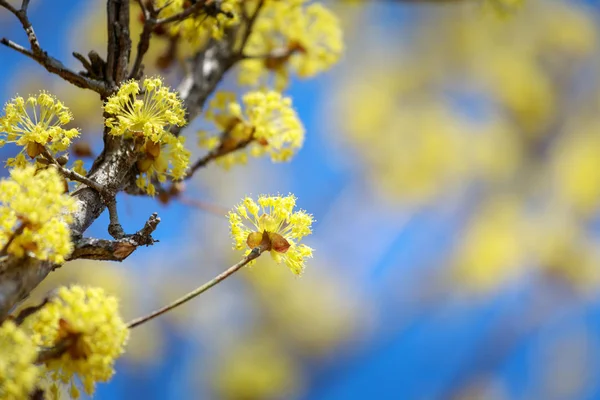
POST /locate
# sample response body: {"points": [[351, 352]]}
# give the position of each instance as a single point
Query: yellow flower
{"points": [[147, 121], [35, 200], [148, 117], [265, 121], [89, 322], [36, 122], [274, 216], [197, 29], [304, 38], [159, 161], [18, 372]]}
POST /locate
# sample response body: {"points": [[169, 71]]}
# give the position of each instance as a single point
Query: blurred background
{"points": [[452, 163]]}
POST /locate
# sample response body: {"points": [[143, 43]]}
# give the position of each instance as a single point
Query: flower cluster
{"points": [[18, 372], [36, 122], [265, 122], [291, 35], [86, 320], [274, 220], [172, 158], [210, 22], [35, 213], [146, 117]]}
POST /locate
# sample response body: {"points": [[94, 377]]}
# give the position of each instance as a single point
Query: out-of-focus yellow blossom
{"points": [[306, 39], [522, 87], [284, 227], [18, 372], [577, 166], [157, 161], [147, 121], [35, 200], [563, 251], [256, 369], [315, 315], [36, 122], [495, 246], [265, 121], [197, 29], [148, 117], [88, 321], [78, 167], [504, 8]]}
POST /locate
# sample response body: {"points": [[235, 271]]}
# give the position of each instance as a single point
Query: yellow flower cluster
{"points": [[291, 35], [148, 117], [284, 228], [36, 202], [207, 23], [87, 321], [147, 120], [18, 372], [265, 121], [171, 159], [36, 122]]}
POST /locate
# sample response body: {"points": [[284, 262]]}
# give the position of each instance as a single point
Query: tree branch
{"points": [[41, 57], [119, 42], [215, 154], [254, 254], [115, 250]]}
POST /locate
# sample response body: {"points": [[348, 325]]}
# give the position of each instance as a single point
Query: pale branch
{"points": [[42, 57], [115, 250], [254, 254], [207, 68]]}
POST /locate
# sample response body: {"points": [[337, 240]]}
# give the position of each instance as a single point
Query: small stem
{"points": [[12, 237], [254, 254], [72, 175], [114, 226], [213, 155]]}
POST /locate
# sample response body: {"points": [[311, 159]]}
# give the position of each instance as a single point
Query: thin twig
{"points": [[144, 41], [180, 16], [215, 154], [114, 226], [13, 236], [249, 23], [38, 54], [254, 254], [72, 175], [208, 207], [56, 67]]}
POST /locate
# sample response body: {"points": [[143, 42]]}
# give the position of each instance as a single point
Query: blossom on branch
{"points": [[87, 322], [36, 122], [146, 117], [18, 372], [306, 39], [273, 220], [211, 21], [35, 213], [264, 121]]}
